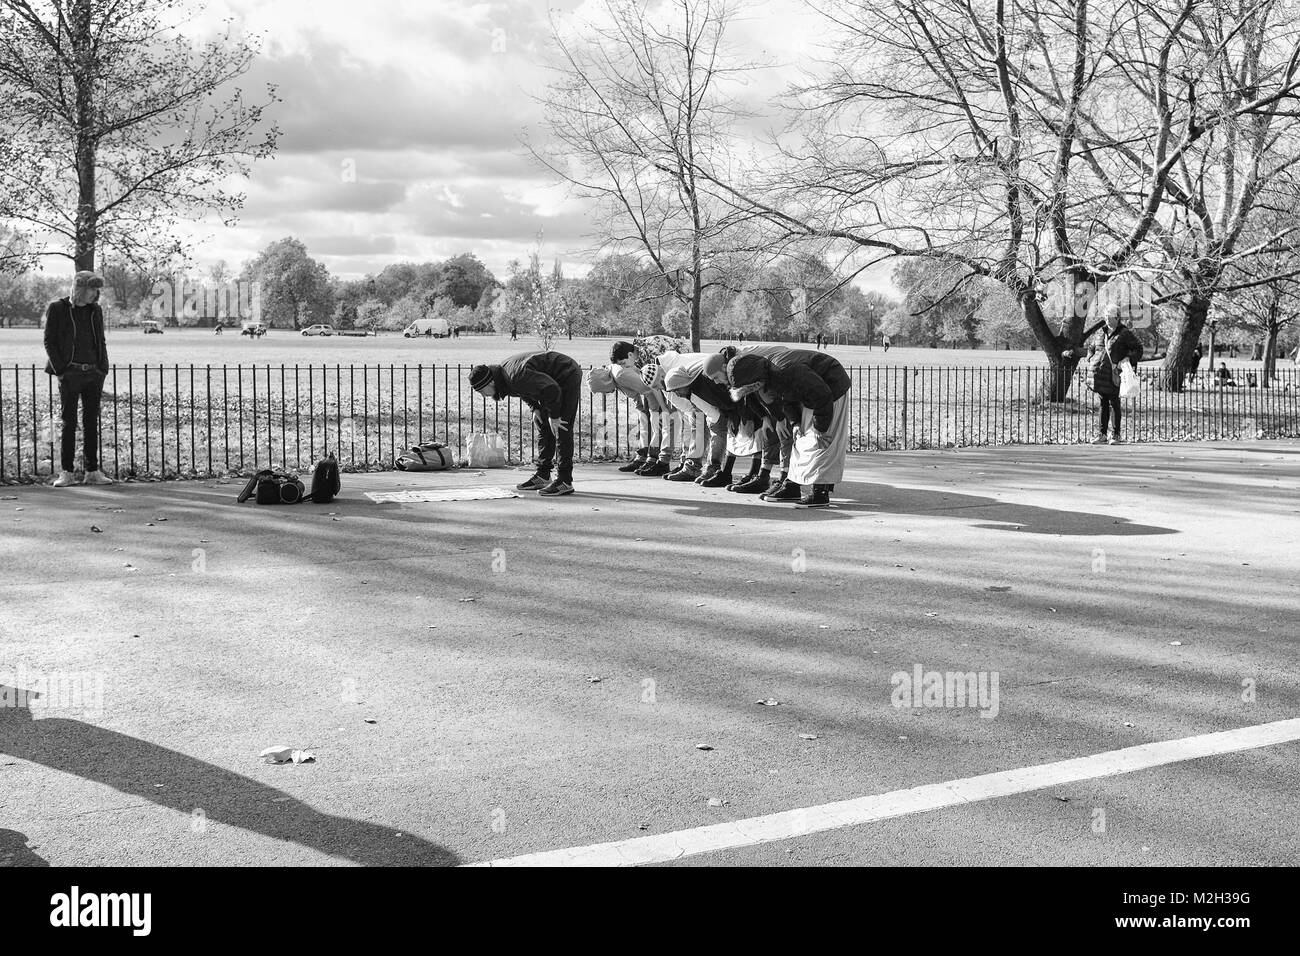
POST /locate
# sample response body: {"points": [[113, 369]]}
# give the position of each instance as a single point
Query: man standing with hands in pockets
{"points": [[549, 383], [78, 357]]}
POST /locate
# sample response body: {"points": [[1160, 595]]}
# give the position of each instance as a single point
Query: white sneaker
{"points": [[65, 478], [97, 478]]}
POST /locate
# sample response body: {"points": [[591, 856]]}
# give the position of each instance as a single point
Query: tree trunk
{"points": [[84, 79], [1270, 348], [1060, 370], [1178, 359]]}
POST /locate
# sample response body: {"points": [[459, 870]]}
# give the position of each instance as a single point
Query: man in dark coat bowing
{"points": [[550, 384], [813, 389]]}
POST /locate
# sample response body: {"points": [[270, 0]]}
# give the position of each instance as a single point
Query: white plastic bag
{"points": [[487, 450], [1128, 381]]}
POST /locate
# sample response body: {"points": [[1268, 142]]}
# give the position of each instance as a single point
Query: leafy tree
{"points": [[295, 288], [118, 125], [462, 279]]}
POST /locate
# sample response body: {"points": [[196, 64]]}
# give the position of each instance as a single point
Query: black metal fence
{"points": [[181, 421]]}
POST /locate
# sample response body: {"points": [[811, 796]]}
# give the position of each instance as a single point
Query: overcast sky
{"points": [[401, 125]]}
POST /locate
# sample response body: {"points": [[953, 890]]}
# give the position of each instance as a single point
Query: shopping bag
{"points": [[1128, 385], [487, 450]]}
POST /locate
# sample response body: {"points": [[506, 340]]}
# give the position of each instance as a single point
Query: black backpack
{"points": [[325, 483]]}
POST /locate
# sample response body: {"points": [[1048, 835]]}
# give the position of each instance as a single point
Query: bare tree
{"points": [[639, 106], [980, 134], [118, 126]]}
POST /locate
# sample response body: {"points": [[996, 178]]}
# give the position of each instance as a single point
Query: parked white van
{"points": [[430, 327]]}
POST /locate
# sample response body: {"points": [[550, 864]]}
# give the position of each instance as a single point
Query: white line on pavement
{"points": [[848, 813]]}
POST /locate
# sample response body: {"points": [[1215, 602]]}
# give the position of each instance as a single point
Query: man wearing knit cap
{"points": [[770, 474], [813, 390], [78, 357], [550, 384]]}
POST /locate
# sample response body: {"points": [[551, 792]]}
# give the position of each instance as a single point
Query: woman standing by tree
{"points": [[1118, 345]]}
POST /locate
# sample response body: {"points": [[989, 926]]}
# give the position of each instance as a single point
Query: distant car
{"points": [[253, 329], [318, 330], [149, 328]]}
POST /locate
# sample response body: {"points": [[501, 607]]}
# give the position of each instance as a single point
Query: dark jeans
{"points": [[1109, 403], [547, 441], [87, 387]]}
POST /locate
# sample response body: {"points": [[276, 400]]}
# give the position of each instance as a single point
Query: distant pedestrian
{"points": [[217, 330], [1105, 363], [741, 339], [1224, 377], [819, 341], [549, 383], [886, 343], [77, 356]]}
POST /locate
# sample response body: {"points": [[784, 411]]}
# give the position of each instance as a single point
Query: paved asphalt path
{"points": [[439, 659]]}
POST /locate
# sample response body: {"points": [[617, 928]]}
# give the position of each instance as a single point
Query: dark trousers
{"points": [[1109, 403], [547, 441], [85, 387]]}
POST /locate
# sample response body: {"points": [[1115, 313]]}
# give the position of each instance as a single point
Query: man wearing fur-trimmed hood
{"points": [[813, 389]]}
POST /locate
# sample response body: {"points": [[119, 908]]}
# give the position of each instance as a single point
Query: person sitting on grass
{"points": [[550, 384], [1224, 377]]}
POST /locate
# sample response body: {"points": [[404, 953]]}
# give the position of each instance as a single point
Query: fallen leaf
{"points": [[715, 802], [277, 754], [467, 600], [1064, 799], [931, 613], [370, 720], [807, 736], [824, 627], [768, 702], [703, 747], [593, 680], [303, 756], [1127, 724], [97, 529], [1175, 643]]}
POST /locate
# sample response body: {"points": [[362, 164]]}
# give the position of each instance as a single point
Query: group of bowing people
{"points": [[786, 409]]}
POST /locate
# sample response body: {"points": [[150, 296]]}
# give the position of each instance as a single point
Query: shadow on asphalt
{"points": [[14, 850], [856, 498], [137, 767]]}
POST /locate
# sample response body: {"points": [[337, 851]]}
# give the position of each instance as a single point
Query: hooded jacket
{"points": [[61, 336], [799, 377], [547, 382]]}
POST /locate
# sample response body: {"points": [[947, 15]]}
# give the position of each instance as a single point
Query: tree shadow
{"points": [[866, 498], [134, 766], [14, 850]]}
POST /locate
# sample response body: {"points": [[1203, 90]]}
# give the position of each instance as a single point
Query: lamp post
{"points": [[871, 315]]}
